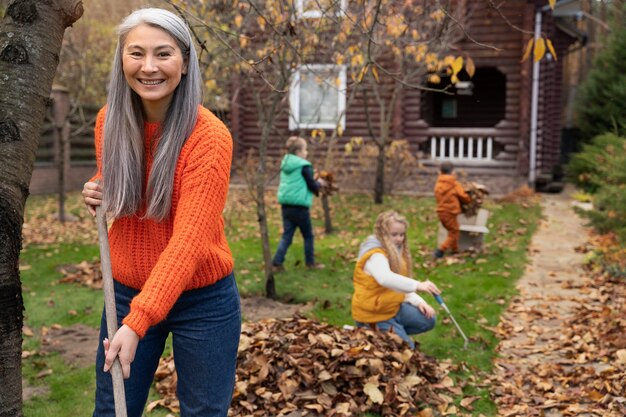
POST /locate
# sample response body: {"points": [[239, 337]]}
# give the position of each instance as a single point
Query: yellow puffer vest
{"points": [[371, 302]]}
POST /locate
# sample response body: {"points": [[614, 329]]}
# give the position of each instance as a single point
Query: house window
{"points": [[479, 101], [315, 9], [448, 108], [317, 97]]}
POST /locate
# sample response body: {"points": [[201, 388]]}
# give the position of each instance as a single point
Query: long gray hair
{"points": [[123, 145]]}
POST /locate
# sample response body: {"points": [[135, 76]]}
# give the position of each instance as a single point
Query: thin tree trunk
{"points": [[381, 143], [379, 186], [328, 163], [31, 34], [270, 286], [328, 221], [267, 114]]}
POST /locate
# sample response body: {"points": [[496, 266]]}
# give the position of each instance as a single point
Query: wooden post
{"points": [[60, 110]]}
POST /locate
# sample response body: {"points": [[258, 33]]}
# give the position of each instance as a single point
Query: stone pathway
{"points": [[551, 290]]}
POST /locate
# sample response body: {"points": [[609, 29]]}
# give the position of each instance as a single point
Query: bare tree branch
{"points": [[506, 20], [468, 36], [253, 65]]}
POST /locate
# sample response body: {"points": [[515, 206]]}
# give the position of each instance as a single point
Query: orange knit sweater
{"points": [[189, 249]]}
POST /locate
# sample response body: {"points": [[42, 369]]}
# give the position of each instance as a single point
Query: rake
{"points": [[109, 306], [445, 307]]}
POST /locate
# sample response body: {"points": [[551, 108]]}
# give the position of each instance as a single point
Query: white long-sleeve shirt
{"points": [[378, 267]]}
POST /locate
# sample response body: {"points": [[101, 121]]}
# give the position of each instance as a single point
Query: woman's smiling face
{"points": [[153, 66]]}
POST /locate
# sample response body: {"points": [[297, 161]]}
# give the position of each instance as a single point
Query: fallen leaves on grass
{"points": [[166, 379], [85, 273], [43, 227], [521, 195], [612, 254], [579, 369], [317, 369], [44, 373]]}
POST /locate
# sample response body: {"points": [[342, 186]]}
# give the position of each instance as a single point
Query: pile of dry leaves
{"points": [[477, 192], [302, 367]]}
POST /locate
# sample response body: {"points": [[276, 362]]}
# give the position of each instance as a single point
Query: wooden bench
{"points": [[473, 230]]}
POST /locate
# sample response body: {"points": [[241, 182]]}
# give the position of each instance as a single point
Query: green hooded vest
{"points": [[293, 189]]}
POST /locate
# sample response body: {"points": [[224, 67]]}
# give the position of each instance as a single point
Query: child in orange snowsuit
{"points": [[449, 195]]}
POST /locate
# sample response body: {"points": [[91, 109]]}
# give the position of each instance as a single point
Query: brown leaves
{"points": [[84, 273], [477, 192], [577, 367], [42, 226], [330, 183], [521, 195], [317, 369], [166, 379], [311, 366]]}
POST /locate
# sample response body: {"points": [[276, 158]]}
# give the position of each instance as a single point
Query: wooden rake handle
{"points": [[110, 310]]}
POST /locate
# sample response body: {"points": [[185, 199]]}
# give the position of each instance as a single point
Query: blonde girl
{"points": [[385, 294]]}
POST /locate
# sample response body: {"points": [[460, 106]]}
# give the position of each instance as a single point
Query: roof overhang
{"points": [[566, 13], [568, 8]]}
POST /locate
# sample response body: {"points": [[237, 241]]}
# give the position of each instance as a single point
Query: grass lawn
{"points": [[476, 288]]}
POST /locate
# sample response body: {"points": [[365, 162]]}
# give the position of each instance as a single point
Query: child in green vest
{"points": [[295, 194]]}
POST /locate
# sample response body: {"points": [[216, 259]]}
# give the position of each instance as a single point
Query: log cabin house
{"points": [[500, 128], [497, 128]]}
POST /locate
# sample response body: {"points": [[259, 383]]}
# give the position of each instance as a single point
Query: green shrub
{"points": [[587, 169], [601, 102], [600, 168], [609, 213]]}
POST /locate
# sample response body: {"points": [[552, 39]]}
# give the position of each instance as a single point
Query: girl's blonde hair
{"points": [[398, 259], [294, 144]]}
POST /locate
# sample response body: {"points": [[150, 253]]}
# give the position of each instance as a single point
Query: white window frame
{"points": [[317, 14], [294, 98]]}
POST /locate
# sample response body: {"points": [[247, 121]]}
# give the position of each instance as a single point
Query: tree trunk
{"points": [[270, 287], [60, 110], [267, 113], [31, 34], [379, 185], [328, 221], [267, 108]]}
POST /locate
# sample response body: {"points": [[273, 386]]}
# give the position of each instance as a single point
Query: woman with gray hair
{"points": [[163, 172]]}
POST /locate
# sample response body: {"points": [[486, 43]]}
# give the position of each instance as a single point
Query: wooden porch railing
{"points": [[466, 148]]}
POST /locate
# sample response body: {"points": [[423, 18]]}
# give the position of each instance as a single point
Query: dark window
{"points": [[476, 102]]}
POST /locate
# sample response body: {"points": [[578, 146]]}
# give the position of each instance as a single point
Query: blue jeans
{"points": [[409, 320], [295, 217], [205, 324]]}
